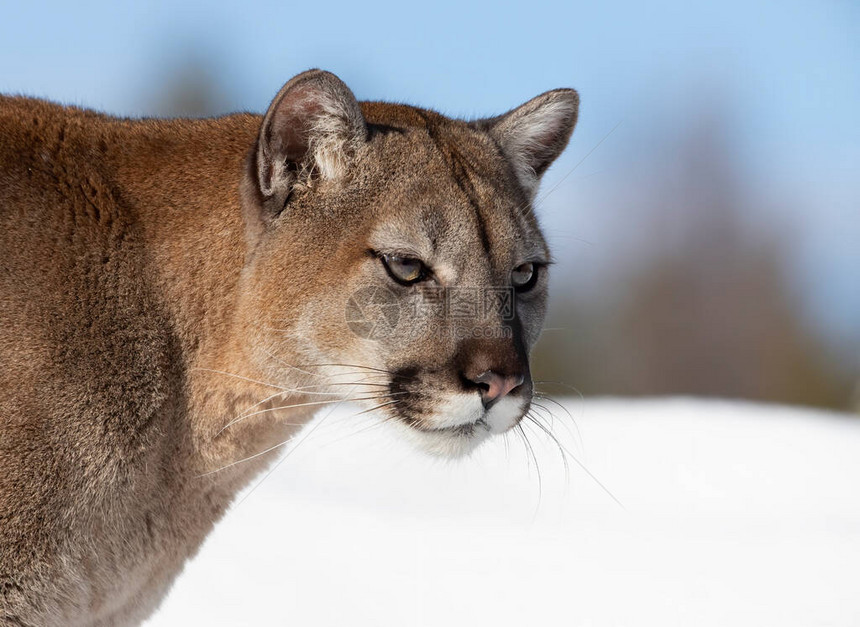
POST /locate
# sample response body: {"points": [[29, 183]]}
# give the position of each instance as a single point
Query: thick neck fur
{"points": [[158, 202], [195, 247]]}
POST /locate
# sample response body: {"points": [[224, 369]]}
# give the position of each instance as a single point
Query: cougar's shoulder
{"points": [[96, 340]]}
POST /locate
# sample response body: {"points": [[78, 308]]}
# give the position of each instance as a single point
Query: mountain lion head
{"points": [[395, 255]]}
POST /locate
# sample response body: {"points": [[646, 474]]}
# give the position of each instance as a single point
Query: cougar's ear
{"points": [[534, 134], [311, 129]]}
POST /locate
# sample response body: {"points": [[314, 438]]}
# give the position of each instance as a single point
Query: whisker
{"points": [[534, 420], [269, 450], [285, 391], [376, 422], [546, 397], [394, 402], [562, 384], [285, 364], [247, 459], [574, 435], [531, 452], [308, 404], [381, 370], [589, 473], [242, 377], [257, 404], [281, 461]]}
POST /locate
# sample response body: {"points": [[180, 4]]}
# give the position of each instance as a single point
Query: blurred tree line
{"points": [[705, 306]]}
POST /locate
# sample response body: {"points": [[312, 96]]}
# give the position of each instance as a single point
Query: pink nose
{"points": [[495, 386]]}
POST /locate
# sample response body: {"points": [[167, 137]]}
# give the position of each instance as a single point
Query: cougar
{"points": [[179, 297]]}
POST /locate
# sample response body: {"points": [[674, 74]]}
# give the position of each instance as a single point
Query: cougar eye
{"points": [[404, 270], [524, 277]]}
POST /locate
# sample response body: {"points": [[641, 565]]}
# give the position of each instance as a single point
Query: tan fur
{"points": [[161, 280]]}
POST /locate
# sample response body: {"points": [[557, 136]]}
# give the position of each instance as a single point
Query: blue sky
{"points": [[785, 73]]}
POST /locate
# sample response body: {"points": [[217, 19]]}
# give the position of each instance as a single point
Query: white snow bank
{"points": [[734, 514]]}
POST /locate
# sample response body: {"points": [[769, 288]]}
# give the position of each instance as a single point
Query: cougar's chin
{"points": [[460, 424]]}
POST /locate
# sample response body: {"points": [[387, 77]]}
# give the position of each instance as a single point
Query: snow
{"points": [[733, 514]]}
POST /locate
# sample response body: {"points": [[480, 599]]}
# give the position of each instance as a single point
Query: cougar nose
{"points": [[494, 386]]}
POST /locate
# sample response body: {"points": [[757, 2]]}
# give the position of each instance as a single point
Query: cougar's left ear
{"points": [[534, 134], [311, 129]]}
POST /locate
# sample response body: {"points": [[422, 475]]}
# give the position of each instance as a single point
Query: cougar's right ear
{"points": [[310, 132], [534, 134]]}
